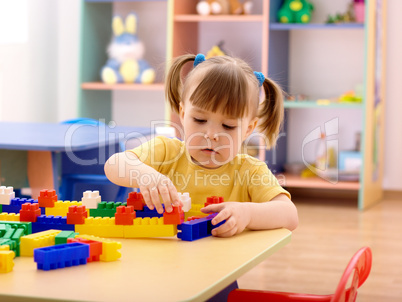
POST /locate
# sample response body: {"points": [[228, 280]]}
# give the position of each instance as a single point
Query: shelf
{"points": [[125, 1], [314, 104], [103, 86], [295, 181], [297, 26], [218, 18]]}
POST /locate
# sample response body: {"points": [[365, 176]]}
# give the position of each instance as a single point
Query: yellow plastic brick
{"points": [[61, 207], [36, 240], [100, 226], [5, 247], [149, 227], [6, 261], [9, 217], [109, 248]]}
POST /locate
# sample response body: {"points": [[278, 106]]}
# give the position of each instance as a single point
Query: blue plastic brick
{"points": [[146, 212], [197, 229], [61, 256], [16, 204], [44, 223]]}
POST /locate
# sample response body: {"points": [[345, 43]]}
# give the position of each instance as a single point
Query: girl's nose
{"points": [[212, 136]]}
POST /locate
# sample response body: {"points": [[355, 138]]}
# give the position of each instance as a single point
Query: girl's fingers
{"points": [[167, 192], [223, 215], [154, 192], [147, 197], [229, 233], [174, 196], [213, 208], [227, 229], [164, 191]]}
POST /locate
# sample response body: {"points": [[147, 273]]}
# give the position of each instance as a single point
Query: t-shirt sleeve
{"points": [[152, 153], [264, 186], [159, 153]]}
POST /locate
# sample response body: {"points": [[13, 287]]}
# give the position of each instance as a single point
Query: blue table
{"points": [[44, 141]]}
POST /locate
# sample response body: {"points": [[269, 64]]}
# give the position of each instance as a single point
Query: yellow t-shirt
{"points": [[243, 179]]}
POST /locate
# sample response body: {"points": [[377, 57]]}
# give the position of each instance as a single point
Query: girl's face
{"points": [[212, 138]]}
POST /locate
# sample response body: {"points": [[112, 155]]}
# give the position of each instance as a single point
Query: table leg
{"points": [[40, 171]]}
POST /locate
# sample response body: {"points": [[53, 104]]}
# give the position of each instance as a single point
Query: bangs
{"points": [[223, 88]]}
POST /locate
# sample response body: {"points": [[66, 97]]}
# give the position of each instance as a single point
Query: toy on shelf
{"points": [[351, 97], [223, 7], [359, 10], [216, 50], [126, 52], [347, 17], [295, 11]]}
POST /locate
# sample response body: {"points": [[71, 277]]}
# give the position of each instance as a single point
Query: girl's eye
{"points": [[227, 127], [200, 121]]}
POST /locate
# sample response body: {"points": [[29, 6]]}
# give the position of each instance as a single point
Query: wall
{"points": [[29, 76], [393, 110], [68, 12], [39, 80]]}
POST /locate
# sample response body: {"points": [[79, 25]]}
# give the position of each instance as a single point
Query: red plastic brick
{"points": [[95, 247], [136, 200], [47, 198], [76, 215], [194, 218], [174, 217], [213, 200], [29, 212], [124, 215]]}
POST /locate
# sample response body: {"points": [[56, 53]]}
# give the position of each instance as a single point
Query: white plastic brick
{"points": [[186, 201], [91, 199], [6, 194]]}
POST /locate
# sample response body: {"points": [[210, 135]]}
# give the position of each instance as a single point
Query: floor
{"points": [[329, 233]]}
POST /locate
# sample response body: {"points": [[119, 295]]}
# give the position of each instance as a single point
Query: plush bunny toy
{"points": [[126, 51]]}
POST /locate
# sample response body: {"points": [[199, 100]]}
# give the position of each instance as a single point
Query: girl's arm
{"points": [[280, 212], [125, 169]]}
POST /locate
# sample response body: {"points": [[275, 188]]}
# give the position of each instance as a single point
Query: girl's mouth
{"points": [[208, 150]]}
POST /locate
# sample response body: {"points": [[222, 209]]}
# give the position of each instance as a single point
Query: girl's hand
{"points": [[236, 214], [163, 187]]}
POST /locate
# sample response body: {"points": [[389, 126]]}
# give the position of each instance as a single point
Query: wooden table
{"points": [[158, 269]]}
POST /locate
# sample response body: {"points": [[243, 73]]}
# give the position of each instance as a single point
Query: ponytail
{"points": [[174, 85], [271, 112]]}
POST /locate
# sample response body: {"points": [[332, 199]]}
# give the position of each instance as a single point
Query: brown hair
{"points": [[228, 85]]}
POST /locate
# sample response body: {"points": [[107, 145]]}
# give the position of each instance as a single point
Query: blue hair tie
{"points": [[199, 59], [260, 77]]}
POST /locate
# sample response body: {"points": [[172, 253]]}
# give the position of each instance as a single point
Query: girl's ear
{"points": [[181, 112], [251, 126]]}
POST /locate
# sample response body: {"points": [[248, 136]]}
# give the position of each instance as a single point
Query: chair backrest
{"points": [[89, 162], [83, 120], [96, 155], [354, 276]]}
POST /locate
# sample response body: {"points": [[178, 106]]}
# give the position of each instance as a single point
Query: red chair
{"points": [[353, 277]]}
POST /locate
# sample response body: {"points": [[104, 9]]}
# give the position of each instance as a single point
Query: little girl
{"points": [[219, 108]]}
